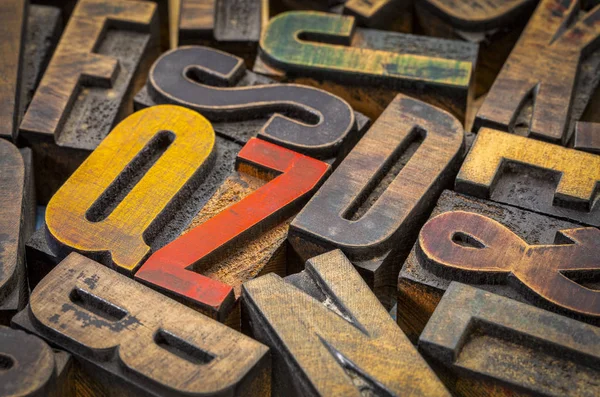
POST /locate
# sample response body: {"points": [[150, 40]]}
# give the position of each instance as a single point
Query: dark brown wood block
{"points": [[549, 77], [534, 175], [329, 336], [17, 220], [492, 345], [395, 15], [29, 367], [544, 250], [494, 25], [587, 137], [102, 57], [366, 67], [130, 340], [375, 201], [234, 26]]}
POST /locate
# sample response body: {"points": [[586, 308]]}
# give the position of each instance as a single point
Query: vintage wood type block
{"points": [[550, 75], [376, 200], [587, 137], [29, 367], [103, 55], [234, 26], [495, 25], [497, 346], [382, 14], [329, 336], [242, 104], [366, 67], [130, 340], [17, 220], [531, 174], [529, 257], [174, 268]]}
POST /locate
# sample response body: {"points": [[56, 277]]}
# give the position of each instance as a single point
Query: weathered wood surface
{"points": [[164, 348], [550, 75], [532, 174], [13, 23], [497, 346], [366, 67], [17, 219], [120, 196], [87, 86], [216, 84], [329, 336], [422, 281], [495, 25], [393, 15], [29, 367], [587, 137], [234, 26], [175, 268], [374, 203]]}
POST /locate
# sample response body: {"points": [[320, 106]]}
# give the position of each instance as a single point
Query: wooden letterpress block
{"points": [[17, 220], [234, 26], [102, 56], [587, 137], [241, 104], [29, 367], [492, 345], [374, 203], [550, 75], [393, 15], [516, 253], [366, 67], [329, 335], [130, 340], [495, 25], [532, 174]]}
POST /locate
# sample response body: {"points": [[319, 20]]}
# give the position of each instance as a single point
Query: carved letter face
{"points": [[124, 328], [544, 67], [330, 336], [570, 195], [465, 242], [122, 192]]}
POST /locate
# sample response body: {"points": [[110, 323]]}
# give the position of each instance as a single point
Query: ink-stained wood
{"points": [[161, 348], [393, 15], [29, 367], [234, 26], [329, 336], [374, 203], [174, 268], [495, 25], [587, 137], [422, 282], [216, 84], [16, 225], [532, 174], [120, 196], [103, 55], [491, 343], [366, 67], [550, 75]]}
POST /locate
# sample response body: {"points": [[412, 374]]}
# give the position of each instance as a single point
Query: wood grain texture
{"points": [[532, 174], [304, 119], [422, 283], [160, 347], [381, 14], [330, 336], [375, 201], [121, 194], [30, 368], [587, 137], [549, 76], [490, 342], [173, 269], [13, 23], [14, 228], [106, 48], [366, 67]]}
